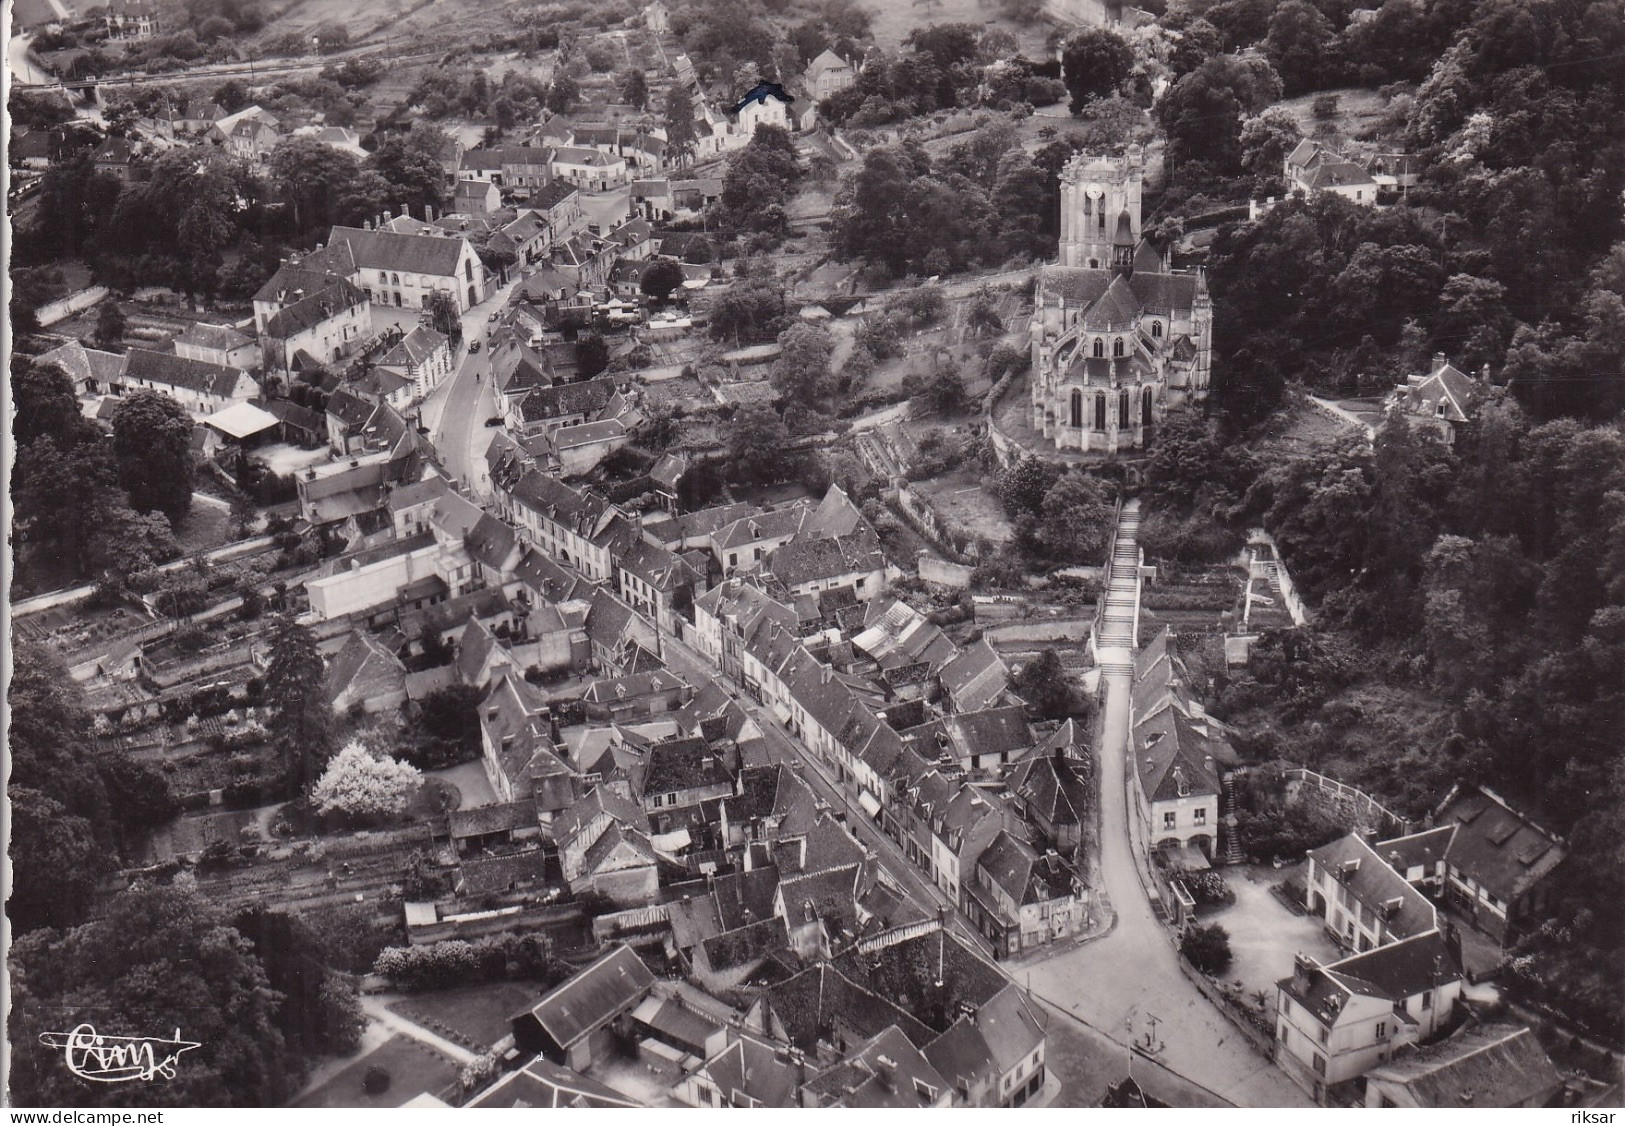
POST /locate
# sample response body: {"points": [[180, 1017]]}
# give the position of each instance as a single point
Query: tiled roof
{"points": [[219, 337], [683, 764], [333, 299], [168, 369], [1056, 789], [434, 255], [1355, 865], [417, 346], [885, 1072], [593, 997], [804, 561], [492, 819], [1418, 850], [543, 1084], [1399, 969], [1494, 1065], [1497, 846]]}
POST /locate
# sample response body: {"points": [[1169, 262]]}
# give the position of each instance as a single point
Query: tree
{"points": [[1094, 63], [159, 960], [1266, 140], [562, 94], [592, 354], [942, 392], [635, 89], [662, 278], [319, 1013], [313, 178], [301, 724], [757, 441], [359, 785], [411, 167], [452, 713], [44, 405], [444, 316], [152, 441], [1021, 487], [1202, 117], [679, 122], [110, 322], [55, 862], [1297, 46], [1077, 514], [1043, 683], [746, 312], [801, 373], [1207, 947]]}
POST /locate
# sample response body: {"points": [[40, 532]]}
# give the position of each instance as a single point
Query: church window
{"points": [[1088, 205], [1100, 347], [1122, 409], [1117, 346], [1100, 412], [1145, 408], [1101, 225], [1077, 409], [1156, 329]]}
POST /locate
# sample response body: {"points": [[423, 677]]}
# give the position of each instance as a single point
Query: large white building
{"points": [[1117, 337]]}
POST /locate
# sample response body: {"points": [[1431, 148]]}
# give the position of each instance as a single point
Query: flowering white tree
{"points": [[357, 783]]}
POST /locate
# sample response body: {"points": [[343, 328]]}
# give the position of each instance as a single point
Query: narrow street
{"points": [[697, 670], [1124, 981], [457, 410]]}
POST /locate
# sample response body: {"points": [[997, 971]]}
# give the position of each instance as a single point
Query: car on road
{"points": [[494, 420], [474, 346]]}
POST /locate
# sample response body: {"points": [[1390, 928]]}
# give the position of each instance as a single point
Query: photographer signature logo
{"points": [[118, 1059]]}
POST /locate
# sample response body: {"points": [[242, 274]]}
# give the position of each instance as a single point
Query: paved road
{"points": [[458, 409], [1120, 982]]}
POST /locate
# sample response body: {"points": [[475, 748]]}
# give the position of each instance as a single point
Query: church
{"points": [[1118, 337]]}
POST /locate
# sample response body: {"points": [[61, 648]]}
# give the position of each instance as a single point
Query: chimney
{"points": [[388, 215], [1438, 363], [1303, 967]]}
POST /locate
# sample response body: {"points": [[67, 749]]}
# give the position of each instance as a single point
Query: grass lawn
{"points": [[414, 1068], [206, 527], [479, 1013]]}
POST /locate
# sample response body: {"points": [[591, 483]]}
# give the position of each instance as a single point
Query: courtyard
{"points": [[413, 1068], [1264, 934]]}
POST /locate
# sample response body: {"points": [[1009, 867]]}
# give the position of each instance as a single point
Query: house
{"points": [[659, 584], [1480, 1066], [477, 198], [591, 170], [1499, 863], [526, 237], [672, 1019], [543, 1084], [92, 372], [132, 19], [517, 168], [216, 344], [200, 387], [115, 157], [807, 566], [1054, 788], [403, 269], [975, 678], [567, 404], [1364, 902], [1179, 756], [574, 451], [982, 740], [681, 773], [1443, 400], [249, 135], [571, 1025], [827, 74], [1022, 898], [1312, 168], [365, 674], [884, 1073], [604, 849], [744, 544], [749, 1073], [626, 699], [516, 748], [766, 105], [423, 358], [328, 323], [1337, 1022], [559, 204]]}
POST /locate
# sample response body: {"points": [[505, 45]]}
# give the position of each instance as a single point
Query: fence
{"points": [[1234, 1009], [1368, 812], [1061, 629]]}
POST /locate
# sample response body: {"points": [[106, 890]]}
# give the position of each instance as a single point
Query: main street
{"points": [[1124, 981]]}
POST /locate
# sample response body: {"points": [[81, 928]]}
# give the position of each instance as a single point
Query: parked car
{"points": [[494, 420], [473, 347]]}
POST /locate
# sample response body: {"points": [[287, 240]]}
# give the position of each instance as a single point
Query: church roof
{"points": [[1117, 308], [1149, 291]]}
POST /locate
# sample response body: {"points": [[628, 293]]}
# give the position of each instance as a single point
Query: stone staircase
{"points": [[1117, 624]]}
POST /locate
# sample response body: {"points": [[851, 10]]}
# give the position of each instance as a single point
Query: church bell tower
{"points": [[1096, 194]]}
